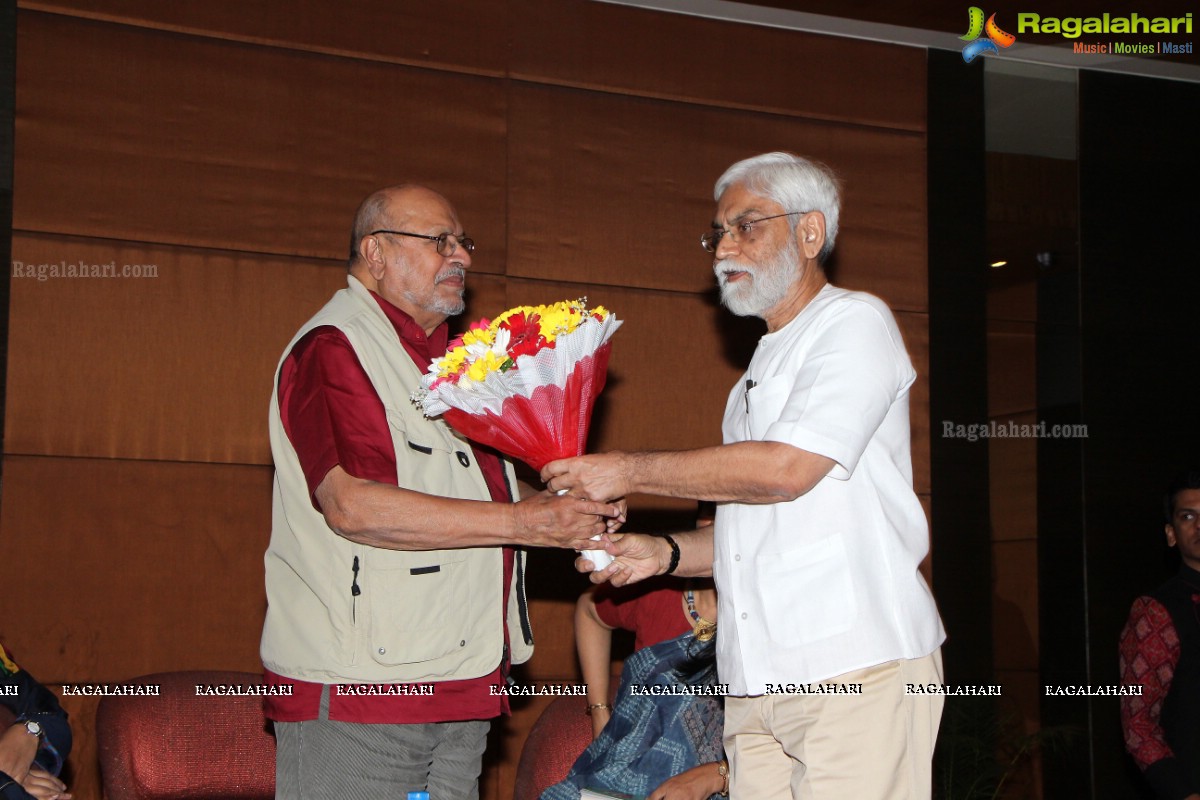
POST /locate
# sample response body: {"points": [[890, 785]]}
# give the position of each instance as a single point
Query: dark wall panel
{"points": [[8, 85], [1136, 387], [651, 166], [633, 51], [958, 364], [136, 134], [176, 365], [465, 36], [158, 565]]}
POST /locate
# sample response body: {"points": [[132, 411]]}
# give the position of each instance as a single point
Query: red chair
{"points": [[180, 746], [561, 733]]}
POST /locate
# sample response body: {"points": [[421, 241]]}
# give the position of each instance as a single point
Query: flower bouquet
{"points": [[525, 382]]}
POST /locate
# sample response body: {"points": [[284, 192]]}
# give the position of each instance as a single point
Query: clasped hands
{"points": [[603, 478]]}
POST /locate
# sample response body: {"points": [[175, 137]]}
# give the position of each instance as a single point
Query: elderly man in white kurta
{"points": [[825, 619]]}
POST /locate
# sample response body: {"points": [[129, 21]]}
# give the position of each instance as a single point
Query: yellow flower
{"points": [[472, 356], [561, 318], [484, 365], [481, 335], [452, 362]]}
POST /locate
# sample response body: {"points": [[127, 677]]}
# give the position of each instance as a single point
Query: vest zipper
{"points": [[519, 565], [522, 601], [355, 591]]}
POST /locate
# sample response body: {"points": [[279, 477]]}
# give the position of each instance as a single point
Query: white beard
{"points": [[441, 305], [450, 308], [764, 286]]}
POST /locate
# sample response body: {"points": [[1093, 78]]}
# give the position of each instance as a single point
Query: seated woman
{"points": [[662, 747], [34, 736]]}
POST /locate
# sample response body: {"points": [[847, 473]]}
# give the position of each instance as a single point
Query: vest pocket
{"points": [[431, 464], [417, 605]]}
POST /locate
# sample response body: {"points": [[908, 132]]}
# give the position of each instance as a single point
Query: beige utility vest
{"points": [[344, 612]]}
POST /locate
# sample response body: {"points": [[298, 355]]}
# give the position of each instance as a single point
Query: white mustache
{"points": [[725, 265], [450, 272]]}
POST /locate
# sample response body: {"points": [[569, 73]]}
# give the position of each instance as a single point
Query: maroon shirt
{"points": [[653, 610], [333, 417]]}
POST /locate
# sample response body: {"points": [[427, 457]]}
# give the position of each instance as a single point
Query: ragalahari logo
{"points": [[996, 38]]}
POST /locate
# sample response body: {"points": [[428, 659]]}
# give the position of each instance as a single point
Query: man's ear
{"points": [[1170, 529], [372, 256], [810, 232]]}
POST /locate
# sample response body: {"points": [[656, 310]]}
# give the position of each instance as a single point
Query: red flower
{"points": [[525, 335]]}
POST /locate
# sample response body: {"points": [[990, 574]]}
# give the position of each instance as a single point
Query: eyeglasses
{"points": [[447, 243], [742, 232]]}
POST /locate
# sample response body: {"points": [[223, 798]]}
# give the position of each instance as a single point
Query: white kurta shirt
{"points": [[827, 583]]}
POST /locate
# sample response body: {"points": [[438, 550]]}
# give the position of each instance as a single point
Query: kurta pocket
{"points": [[810, 591]]}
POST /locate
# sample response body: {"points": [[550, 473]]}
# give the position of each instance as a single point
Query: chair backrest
{"points": [[183, 745], [561, 733]]}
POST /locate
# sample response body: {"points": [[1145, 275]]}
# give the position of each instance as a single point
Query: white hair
{"points": [[796, 183]]}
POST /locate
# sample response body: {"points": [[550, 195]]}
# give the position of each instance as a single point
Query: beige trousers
{"points": [[877, 745]]}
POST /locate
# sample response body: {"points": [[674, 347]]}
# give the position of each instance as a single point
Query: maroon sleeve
{"points": [[1149, 653], [654, 613], [607, 608], [331, 413]]}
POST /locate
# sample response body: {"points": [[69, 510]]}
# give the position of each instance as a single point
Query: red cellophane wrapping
{"points": [[551, 423]]}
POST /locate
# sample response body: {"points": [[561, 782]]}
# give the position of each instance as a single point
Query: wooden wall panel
{"points": [[554, 626], [466, 36], [649, 53], [177, 367], [158, 566], [140, 135], [572, 42], [614, 189], [82, 772], [915, 330]]}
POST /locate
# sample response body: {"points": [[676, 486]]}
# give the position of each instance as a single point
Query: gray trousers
{"points": [[325, 760]]}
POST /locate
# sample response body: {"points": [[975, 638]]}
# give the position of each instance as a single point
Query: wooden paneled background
{"points": [[227, 144]]}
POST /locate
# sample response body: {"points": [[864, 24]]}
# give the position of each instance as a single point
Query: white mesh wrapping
{"points": [[549, 367]]}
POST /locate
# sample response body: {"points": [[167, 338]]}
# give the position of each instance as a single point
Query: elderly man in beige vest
{"points": [[395, 582]]}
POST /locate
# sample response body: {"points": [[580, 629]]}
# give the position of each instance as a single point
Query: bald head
{"points": [[388, 208], [398, 239]]}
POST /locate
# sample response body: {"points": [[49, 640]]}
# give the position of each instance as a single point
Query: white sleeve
{"points": [[852, 373]]}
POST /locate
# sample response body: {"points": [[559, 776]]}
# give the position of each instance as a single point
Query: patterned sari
{"points": [[652, 738]]}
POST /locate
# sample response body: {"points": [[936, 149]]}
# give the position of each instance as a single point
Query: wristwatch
{"points": [[35, 728], [723, 771]]}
